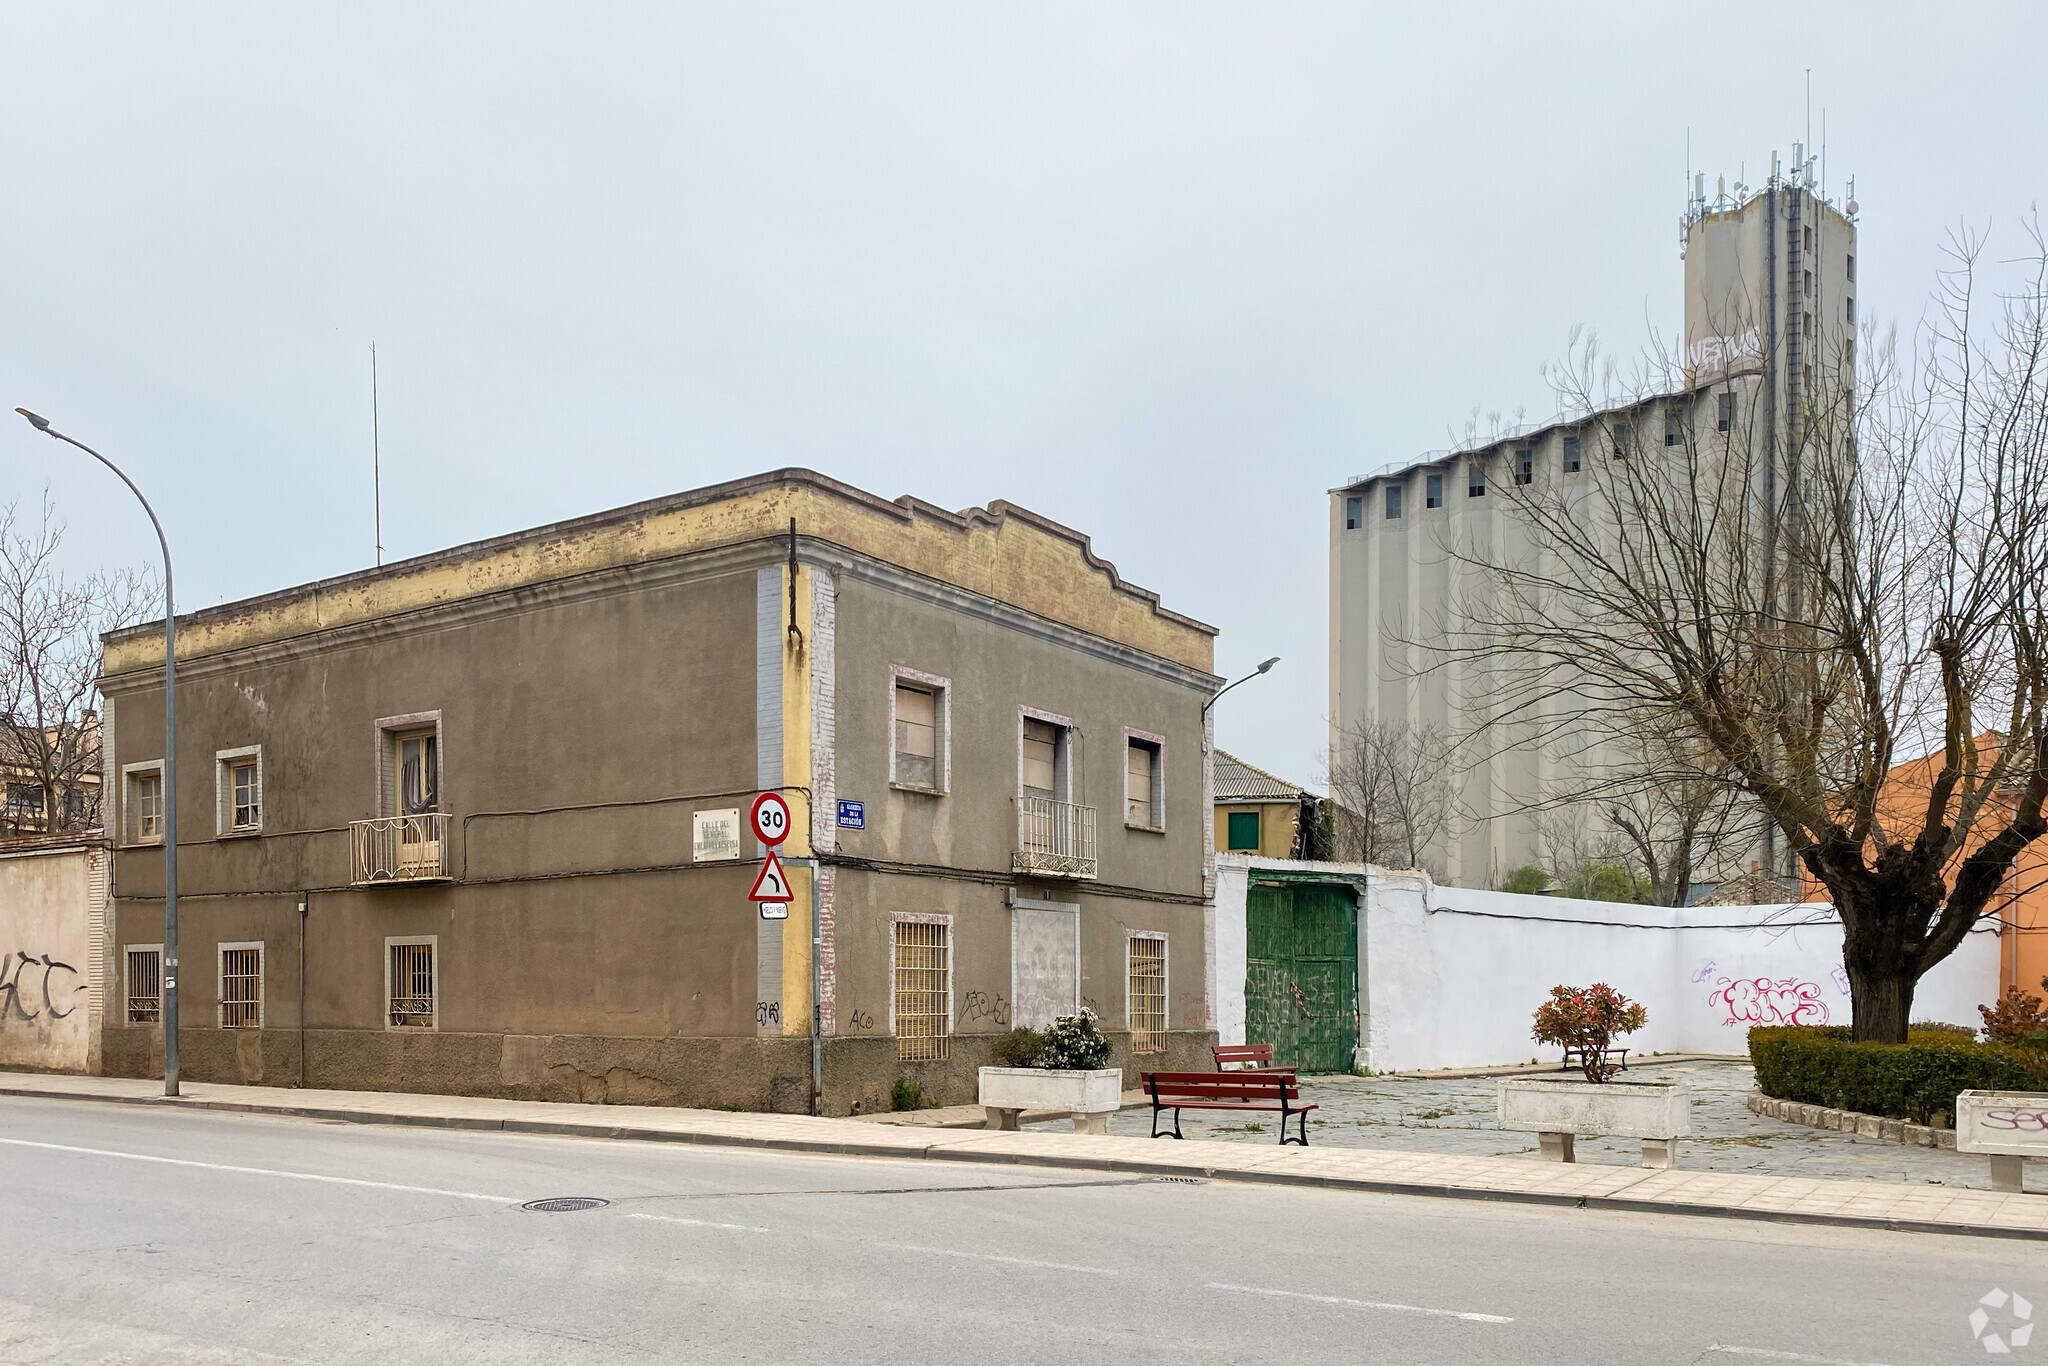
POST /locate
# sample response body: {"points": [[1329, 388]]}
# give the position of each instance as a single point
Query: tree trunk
{"points": [[1881, 994]]}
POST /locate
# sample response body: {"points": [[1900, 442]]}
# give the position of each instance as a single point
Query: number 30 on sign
{"points": [[770, 818]]}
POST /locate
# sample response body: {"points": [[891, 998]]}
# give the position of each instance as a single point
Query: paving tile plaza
{"points": [[1481, 1174], [1456, 1116]]}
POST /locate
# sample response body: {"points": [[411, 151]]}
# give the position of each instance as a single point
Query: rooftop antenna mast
{"points": [[376, 459], [1809, 113]]}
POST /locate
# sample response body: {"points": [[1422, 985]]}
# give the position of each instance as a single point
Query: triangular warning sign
{"points": [[771, 884]]}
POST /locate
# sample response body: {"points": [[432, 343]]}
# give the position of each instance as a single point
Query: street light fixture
{"points": [[1246, 679], [170, 964]]}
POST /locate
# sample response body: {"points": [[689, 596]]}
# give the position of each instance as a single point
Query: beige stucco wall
{"points": [[1277, 822], [49, 954]]}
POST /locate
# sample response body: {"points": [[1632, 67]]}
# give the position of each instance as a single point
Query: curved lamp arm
{"points": [[1246, 679]]}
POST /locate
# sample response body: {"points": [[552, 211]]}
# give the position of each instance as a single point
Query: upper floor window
{"points": [[25, 801], [1144, 781], [1475, 480], [1724, 411], [918, 711], [238, 786], [1674, 429], [1433, 491], [1354, 509], [1849, 309], [1852, 270], [1571, 455], [1393, 501], [1043, 771], [1622, 433], [142, 803], [1242, 830], [1525, 465]]}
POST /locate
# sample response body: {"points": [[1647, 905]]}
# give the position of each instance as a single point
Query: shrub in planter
{"points": [[1021, 1047], [1914, 1081], [1074, 1042], [1588, 1019]]}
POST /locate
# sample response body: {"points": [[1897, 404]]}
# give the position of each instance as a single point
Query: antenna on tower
{"points": [[376, 459], [1809, 106]]}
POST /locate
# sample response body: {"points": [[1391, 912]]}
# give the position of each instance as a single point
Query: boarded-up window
{"points": [[412, 986], [1141, 784], [917, 736], [923, 989], [1147, 993], [241, 986], [145, 986], [1041, 758]]}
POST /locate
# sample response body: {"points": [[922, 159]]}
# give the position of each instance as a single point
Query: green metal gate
{"points": [[1301, 973]]}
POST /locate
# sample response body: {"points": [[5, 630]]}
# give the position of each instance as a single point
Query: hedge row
{"points": [[1911, 1081]]}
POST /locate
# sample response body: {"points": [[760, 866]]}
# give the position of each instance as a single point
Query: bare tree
{"points": [[1807, 600], [1392, 783], [50, 626]]}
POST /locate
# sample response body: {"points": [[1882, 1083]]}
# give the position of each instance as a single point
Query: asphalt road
{"points": [[136, 1235]]}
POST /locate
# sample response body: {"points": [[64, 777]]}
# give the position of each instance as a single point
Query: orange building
{"points": [[2022, 908]]}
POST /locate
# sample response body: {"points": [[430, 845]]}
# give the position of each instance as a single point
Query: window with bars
{"points": [[411, 984], [241, 986], [1146, 996], [923, 991], [145, 985]]}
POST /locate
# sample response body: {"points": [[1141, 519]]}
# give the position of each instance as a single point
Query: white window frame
{"points": [[131, 814], [1062, 757], [392, 941], [224, 762], [1165, 979], [942, 727], [952, 954], [1157, 795], [128, 985], [220, 972]]}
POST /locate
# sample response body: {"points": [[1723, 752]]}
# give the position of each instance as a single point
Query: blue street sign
{"points": [[853, 816]]}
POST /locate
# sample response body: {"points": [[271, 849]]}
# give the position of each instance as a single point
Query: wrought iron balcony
{"points": [[1054, 839], [400, 849]]}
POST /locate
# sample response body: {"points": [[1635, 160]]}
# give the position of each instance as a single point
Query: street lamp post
{"points": [[170, 964], [1246, 679]]}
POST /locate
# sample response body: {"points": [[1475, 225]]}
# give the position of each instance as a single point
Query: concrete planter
{"points": [[2008, 1126], [1090, 1097], [1555, 1111]]}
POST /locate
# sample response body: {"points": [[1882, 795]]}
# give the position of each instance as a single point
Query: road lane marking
{"points": [[259, 1171], [992, 1257], [1770, 1355], [1361, 1304], [701, 1223]]}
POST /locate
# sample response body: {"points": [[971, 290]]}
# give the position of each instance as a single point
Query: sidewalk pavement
{"points": [[1925, 1209]]}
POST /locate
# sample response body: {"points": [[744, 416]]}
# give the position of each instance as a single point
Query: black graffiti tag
{"points": [[20, 991]]}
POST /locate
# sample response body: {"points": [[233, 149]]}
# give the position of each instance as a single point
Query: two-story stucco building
{"points": [[475, 822]]}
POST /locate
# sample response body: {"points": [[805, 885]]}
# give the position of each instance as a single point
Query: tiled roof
{"points": [[1238, 781]]}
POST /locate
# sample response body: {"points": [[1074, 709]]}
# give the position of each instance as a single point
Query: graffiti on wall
{"points": [[36, 987], [1764, 1001]]}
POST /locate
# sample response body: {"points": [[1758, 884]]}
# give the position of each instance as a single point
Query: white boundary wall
{"points": [[1452, 975]]}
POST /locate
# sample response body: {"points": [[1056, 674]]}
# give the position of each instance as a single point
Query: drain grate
{"points": [[564, 1204]]}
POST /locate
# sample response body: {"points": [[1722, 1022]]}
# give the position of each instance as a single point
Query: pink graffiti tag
{"points": [[1761, 1001]]}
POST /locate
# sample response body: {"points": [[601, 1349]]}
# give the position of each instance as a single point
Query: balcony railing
{"points": [[1054, 839], [400, 848]]}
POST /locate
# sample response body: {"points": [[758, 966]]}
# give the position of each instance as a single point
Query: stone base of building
{"points": [[771, 1075]]}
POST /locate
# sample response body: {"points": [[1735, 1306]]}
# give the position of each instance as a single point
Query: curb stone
{"points": [[1852, 1122]]}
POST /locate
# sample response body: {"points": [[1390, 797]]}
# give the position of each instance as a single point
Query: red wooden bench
{"points": [[1232, 1057], [1177, 1091]]}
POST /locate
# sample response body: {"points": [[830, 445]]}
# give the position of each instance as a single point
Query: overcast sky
{"points": [[1165, 274]]}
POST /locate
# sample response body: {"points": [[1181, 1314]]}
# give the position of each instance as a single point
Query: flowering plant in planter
{"points": [[1586, 1020], [1074, 1042]]}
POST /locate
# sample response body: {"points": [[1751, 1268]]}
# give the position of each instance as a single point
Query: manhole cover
{"points": [[564, 1204]]}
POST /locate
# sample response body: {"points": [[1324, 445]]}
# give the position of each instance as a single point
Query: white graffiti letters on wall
{"points": [[1762, 1001], [37, 988]]}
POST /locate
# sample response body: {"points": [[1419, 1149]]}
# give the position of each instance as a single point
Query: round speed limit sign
{"points": [[769, 818]]}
